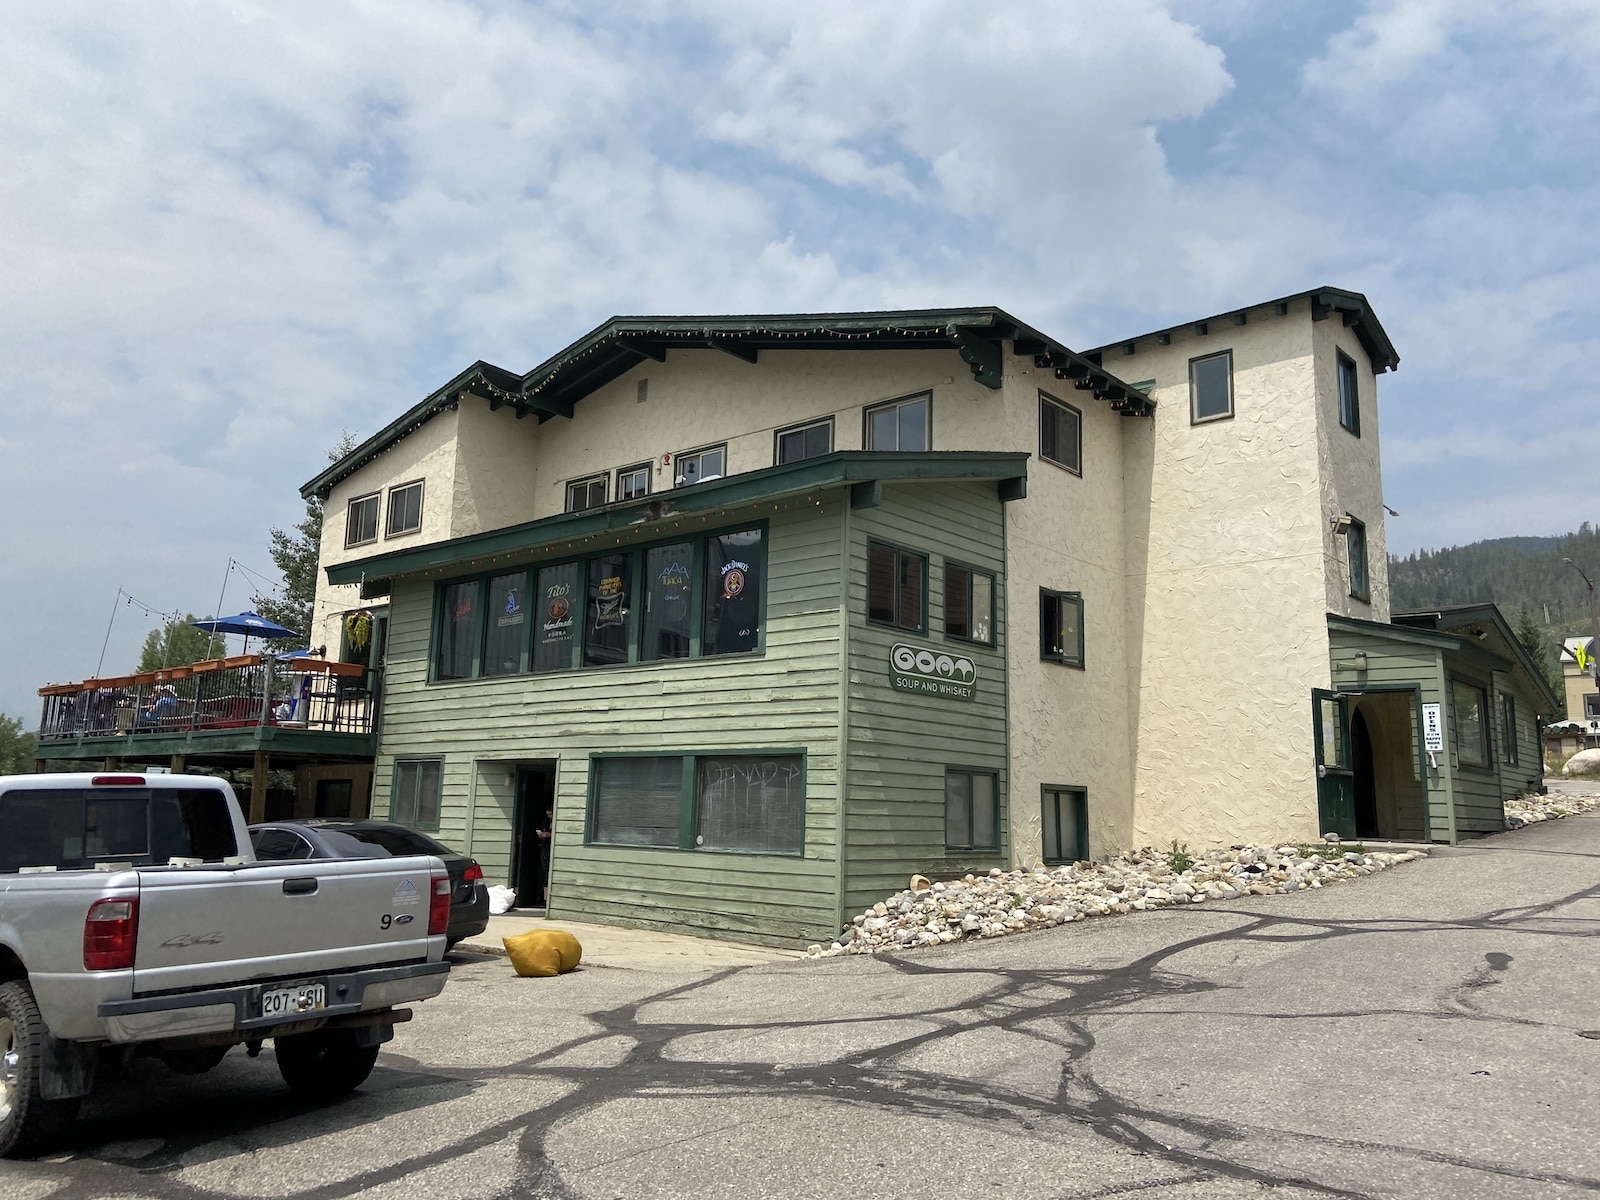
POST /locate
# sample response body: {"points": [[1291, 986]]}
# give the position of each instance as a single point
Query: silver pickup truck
{"points": [[135, 920]]}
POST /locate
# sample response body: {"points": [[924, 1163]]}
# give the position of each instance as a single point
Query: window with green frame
{"points": [[414, 800], [1355, 544], [692, 598], [1061, 627], [1065, 824], [1471, 722], [738, 802], [897, 587], [971, 811], [1508, 727]]}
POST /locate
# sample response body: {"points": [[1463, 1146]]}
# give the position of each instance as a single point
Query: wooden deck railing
{"points": [[224, 693]]}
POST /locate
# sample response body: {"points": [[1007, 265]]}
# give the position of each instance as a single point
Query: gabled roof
{"points": [[1352, 308], [1452, 618], [604, 354], [864, 471]]}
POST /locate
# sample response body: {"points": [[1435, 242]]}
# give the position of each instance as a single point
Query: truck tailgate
{"points": [[205, 926]]}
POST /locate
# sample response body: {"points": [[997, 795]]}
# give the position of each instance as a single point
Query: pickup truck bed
{"points": [[133, 919]]}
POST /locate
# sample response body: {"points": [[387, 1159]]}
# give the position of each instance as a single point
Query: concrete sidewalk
{"points": [[616, 946]]}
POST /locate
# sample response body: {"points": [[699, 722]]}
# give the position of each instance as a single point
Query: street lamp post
{"points": [[1594, 625]]}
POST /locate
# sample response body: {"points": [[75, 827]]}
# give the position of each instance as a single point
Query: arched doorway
{"points": [[1366, 783]]}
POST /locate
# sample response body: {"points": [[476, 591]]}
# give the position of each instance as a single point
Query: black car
{"points": [[280, 841]]}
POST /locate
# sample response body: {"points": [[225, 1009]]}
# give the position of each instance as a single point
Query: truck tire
{"points": [[28, 1122], [324, 1065]]}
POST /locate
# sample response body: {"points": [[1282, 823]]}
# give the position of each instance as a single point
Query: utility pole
{"points": [[1594, 627]]}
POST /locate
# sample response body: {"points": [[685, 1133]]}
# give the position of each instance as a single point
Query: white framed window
{"points": [[585, 493], [361, 520], [1211, 387], [698, 466], [904, 424], [1060, 433], [799, 442], [633, 482], [405, 509]]}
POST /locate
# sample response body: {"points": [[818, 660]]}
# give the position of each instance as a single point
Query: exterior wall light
{"points": [[1361, 662], [1340, 523]]}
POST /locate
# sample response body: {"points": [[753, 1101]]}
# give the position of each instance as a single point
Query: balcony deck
{"points": [[220, 711]]}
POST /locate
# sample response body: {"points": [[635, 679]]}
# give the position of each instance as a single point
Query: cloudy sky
{"points": [[231, 230]]}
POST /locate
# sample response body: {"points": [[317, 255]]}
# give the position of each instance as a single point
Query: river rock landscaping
{"points": [[1531, 809], [1007, 902]]}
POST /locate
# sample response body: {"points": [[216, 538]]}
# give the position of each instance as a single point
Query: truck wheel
{"points": [[324, 1065], [28, 1122]]}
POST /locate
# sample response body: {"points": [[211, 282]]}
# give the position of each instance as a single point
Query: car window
{"points": [[346, 846], [398, 842], [278, 845]]}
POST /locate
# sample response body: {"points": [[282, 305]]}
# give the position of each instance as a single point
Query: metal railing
{"points": [[226, 693]]}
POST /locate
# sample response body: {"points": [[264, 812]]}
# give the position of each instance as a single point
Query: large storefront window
{"points": [[556, 605], [605, 627], [685, 599], [507, 619], [459, 618], [733, 593], [638, 801], [737, 803], [668, 600]]}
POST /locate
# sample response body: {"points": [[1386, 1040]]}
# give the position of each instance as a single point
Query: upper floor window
{"points": [[805, 441], [697, 466], [1211, 387], [588, 492], [1355, 544], [1060, 434], [1591, 706], [405, 509], [897, 587], [1349, 397], [1061, 627], [361, 521], [968, 604], [633, 482], [901, 424]]}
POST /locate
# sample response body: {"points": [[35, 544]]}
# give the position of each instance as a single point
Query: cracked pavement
{"points": [[1433, 1030]]}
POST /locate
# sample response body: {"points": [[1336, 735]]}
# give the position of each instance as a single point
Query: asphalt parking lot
{"points": [[1430, 1031]]}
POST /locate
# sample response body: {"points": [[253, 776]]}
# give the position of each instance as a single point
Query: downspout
{"points": [[843, 771]]}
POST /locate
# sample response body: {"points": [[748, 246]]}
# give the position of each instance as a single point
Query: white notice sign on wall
{"points": [[1433, 728]]}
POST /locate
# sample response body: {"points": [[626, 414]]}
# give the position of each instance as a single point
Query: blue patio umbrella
{"points": [[249, 624]]}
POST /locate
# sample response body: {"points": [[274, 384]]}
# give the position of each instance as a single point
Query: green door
{"points": [[1336, 787]]}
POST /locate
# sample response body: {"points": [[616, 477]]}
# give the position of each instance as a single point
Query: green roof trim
{"points": [[605, 353], [1351, 307], [1451, 617], [847, 467]]}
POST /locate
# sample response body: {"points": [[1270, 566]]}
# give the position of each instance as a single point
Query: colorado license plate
{"points": [[291, 1001]]}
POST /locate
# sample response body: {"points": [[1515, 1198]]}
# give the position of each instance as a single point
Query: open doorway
{"points": [[530, 852], [1389, 799]]}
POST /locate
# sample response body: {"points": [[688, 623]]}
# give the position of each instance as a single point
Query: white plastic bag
{"points": [[501, 899]]}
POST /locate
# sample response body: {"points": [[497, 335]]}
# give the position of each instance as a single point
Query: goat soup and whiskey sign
{"points": [[931, 672]]}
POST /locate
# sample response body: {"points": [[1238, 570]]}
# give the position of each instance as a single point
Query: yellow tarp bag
{"points": [[543, 952]]}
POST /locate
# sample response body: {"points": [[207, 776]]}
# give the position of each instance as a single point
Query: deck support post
{"points": [[180, 764], [258, 787]]}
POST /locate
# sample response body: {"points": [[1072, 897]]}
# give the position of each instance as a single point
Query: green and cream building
{"points": [[775, 611]]}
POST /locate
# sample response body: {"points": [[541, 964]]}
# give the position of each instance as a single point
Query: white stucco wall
{"points": [[1227, 626], [429, 454], [1350, 472]]}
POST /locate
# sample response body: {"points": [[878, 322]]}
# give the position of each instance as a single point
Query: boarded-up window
{"points": [[638, 801], [752, 804]]}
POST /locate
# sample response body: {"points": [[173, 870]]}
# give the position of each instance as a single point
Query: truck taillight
{"points": [[117, 781], [439, 906], [472, 874], [110, 932]]}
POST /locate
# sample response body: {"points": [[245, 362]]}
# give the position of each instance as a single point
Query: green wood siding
{"points": [[1479, 808], [1396, 663], [786, 697], [901, 744]]}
